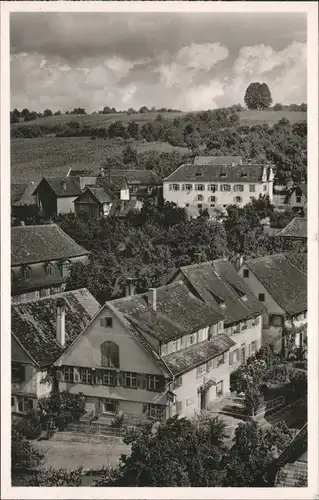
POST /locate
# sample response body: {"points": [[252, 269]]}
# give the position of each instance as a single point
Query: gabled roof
{"points": [[283, 280], [216, 282], [62, 186], [178, 312], [42, 243], [101, 194], [217, 160], [22, 194], [33, 323], [297, 228], [184, 360], [217, 173]]}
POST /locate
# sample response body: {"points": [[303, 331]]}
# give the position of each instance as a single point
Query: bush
{"points": [[29, 427], [253, 399]]}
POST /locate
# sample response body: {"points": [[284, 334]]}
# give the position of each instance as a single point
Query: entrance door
{"points": [[203, 398]]}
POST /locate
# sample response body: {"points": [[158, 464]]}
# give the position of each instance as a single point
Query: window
{"points": [[238, 199], [86, 375], [153, 383], [220, 360], [261, 297], [174, 187], [192, 339], [236, 355], [178, 382], [27, 273], [187, 187], [238, 187], [244, 326], [155, 411], [213, 199], [65, 269], [265, 187], [225, 187], [199, 187], [252, 188], [17, 372], [110, 355], [129, 379], [209, 365], [213, 187], [200, 197], [298, 199], [199, 206], [173, 344], [48, 269], [178, 344], [219, 388], [68, 374], [164, 350], [246, 273], [178, 407], [276, 320], [25, 404], [109, 405], [253, 346], [243, 353], [201, 370], [108, 378], [106, 322]]}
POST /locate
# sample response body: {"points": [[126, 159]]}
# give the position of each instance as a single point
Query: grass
{"points": [[271, 117], [32, 159]]}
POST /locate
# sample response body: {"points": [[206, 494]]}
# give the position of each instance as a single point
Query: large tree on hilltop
{"points": [[258, 96]]}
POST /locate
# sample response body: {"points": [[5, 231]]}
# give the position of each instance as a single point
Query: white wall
{"points": [[181, 198], [65, 205], [293, 201]]}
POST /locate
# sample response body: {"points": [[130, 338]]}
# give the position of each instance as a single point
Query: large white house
{"points": [[212, 186]]}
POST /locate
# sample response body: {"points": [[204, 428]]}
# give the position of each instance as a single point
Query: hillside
{"points": [[246, 118]]}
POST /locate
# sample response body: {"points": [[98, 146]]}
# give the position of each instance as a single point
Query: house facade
{"points": [[149, 354], [218, 285], [40, 331], [135, 184], [22, 197], [280, 282], [95, 202], [298, 198], [41, 261], [214, 187], [294, 234]]}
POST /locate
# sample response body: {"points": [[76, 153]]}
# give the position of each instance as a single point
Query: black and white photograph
{"points": [[160, 206]]}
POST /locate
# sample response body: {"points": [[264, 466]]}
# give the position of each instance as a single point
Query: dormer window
{"points": [[48, 269], [65, 268], [27, 273]]}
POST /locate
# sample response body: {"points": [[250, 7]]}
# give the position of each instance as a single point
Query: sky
{"points": [[182, 61]]}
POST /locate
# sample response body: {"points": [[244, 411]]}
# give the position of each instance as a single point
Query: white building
{"points": [[214, 186]]}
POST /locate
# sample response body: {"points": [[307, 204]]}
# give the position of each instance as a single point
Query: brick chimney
{"points": [[152, 298], [60, 322]]}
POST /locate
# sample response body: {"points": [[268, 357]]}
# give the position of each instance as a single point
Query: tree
{"points": [[133, 130], [61, 408], [194, 460], [23, 456], [277, 107], [258, 96], [25, 112], [144, 109], [47, 112], [30, 116], [117, 129], [129, 155], [57, 477]]}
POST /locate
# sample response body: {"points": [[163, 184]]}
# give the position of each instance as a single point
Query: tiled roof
{"points": [[42, 243], [136, 176], [198, 354], [299, 260], [33, 323], [22, 194], [297, 228], [217, 160], [217, 173], [63, 186], [101, 194], [292, 476], [178, 312], [216, 282], [285, 282]]}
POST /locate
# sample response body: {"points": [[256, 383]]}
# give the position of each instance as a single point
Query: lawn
{"points": [[271, 117], [31, 159]]}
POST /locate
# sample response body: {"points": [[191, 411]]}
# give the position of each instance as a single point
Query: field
{"points": [[32, 159], [246, 117]]}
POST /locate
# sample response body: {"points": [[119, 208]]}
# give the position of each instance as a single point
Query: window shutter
{"points": [[22, 373], [59, 375], [121, 378], [231, 355], [76, 375]]}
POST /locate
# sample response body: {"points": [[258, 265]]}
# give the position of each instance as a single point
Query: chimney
{"points": [[130, 287], [198, 257], [152, 298], [60, 322]]}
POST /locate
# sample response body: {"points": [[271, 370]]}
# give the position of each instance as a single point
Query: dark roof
{"points": [[33, 323], [136, 176], [297, 228], [198, 354], [42, 243], [293, 475], [178, 312], [217, 160], [217, 173], [299, 260], [300, 189], [38, 279], [22, 194], [63, 186], [101, 194], [283, 280], [216, 282]]}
